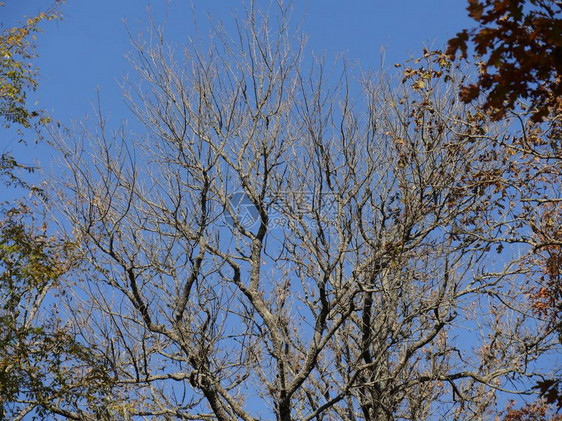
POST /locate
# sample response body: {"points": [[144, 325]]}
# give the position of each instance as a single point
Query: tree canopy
{"points": [[520, 45], [17, 70]]}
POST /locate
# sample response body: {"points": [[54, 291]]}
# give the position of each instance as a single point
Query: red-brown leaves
{"points": [[536, 411], [520, 42]]}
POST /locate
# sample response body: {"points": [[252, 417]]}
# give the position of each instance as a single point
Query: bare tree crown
{"points": [[281, 243]]}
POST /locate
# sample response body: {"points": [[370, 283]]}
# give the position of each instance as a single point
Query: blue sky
{"points": [[85, 51]]}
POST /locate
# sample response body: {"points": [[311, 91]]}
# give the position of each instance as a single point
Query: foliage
{"points": [[520, 42], [41, 362], [17, 71], [536, 411], [551, 391], [44, 368]]}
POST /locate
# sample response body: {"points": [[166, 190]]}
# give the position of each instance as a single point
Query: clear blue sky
{"points": [[86, 50]]}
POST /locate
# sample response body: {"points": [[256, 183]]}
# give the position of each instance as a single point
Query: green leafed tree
{"points": [[17, 70], [44, 369]]}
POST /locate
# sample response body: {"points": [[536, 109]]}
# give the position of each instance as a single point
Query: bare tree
{"points": [[281, 240]]}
